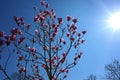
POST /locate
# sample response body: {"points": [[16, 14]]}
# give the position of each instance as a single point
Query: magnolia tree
{"points": [[43, 50]]}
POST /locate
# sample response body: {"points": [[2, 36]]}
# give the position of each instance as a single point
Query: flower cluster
{"points": [[21, 23], [77, 58], [7, 39]]}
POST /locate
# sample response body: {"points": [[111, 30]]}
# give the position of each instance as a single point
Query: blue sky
{"points": [[102, 44]]}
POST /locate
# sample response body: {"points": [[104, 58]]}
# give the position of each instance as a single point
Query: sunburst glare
{"points": [[114, 21]]}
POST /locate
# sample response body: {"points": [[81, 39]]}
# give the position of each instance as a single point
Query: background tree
{"points": [[18, 76], [43, 49], [91, 77], [113, 70]]}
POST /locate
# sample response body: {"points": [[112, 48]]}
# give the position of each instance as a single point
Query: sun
{"points": [[114, 21]]}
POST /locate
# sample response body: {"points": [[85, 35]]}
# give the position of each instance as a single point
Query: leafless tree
{"points": [[91, 77], [113, 70]]}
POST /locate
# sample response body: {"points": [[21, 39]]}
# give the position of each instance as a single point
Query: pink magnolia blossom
{"points": [[45, 48], [46, 25], [56, 29], [53, 25], [54, 48], [56, 57], [75, 46], [75, 20], [21, 40], [65, 76], [8, 42], [69, 18], [74, 31], [47, 60], [16, 19], [64, 54], [61, 39], [79, 56], [54, 34], [42, 2], [55, 65], [42, 18], [21, 19], [75, 58], [7, 37], [13, 37], [64, 42], [2, 34], [14, 31], [60, 20], [21, 58], [28, 48], [72, 39], [44, 66], [28, 26], [22, 69], [74, 63], [33, 50], [19, 32], [82, 41], [36, 31], [36, 19], [79, 34], [47, 5], [67, 34], [66, 70], [83, 32], [75, 27], [62, 60], [51, 38], [52, 10], [55, 78], [62, 70]]}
